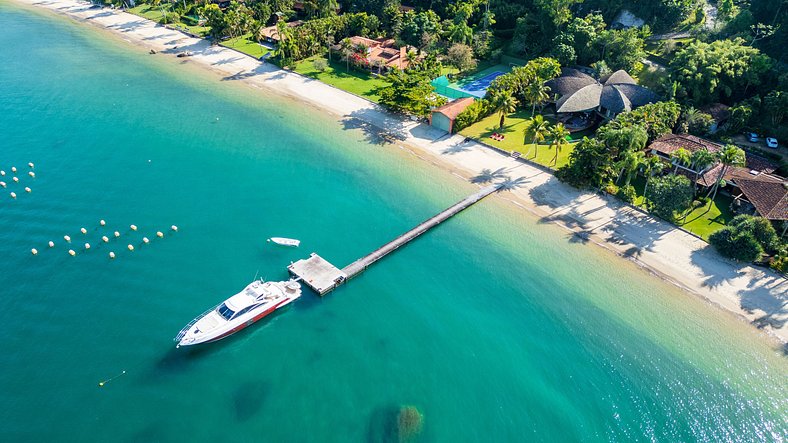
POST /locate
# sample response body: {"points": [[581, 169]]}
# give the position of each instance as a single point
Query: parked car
{"points": [[753, 137], [771, 142]]}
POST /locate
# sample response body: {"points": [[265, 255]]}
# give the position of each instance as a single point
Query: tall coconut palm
{"points": [[504, 103], [536, 129], [701, 159], [680, 157], [730, 155], [558, 136], [630, 162], [347, 48], [651, 167], [536, 93]]}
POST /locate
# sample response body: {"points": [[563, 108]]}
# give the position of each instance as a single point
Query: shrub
{"points": [[740, 246], [780, 261], [475, 112], [670, 194], [320, 64], [760, 228], [627, 193], [170, 17], [611, 189]]}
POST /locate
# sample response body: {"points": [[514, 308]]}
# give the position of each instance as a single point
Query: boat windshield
{"points": [[225, 312]]}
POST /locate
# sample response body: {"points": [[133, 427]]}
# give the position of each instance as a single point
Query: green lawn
{"points": [[246, 45], [513, 140], [701, 221], [155, 14], [363, 84], [707, 219], [150, 12]]}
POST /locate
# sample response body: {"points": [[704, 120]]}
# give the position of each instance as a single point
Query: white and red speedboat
{"points": [[239, 311]]}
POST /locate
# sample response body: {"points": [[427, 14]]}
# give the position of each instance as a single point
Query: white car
{"points": [[771, 142], [753, 137]]}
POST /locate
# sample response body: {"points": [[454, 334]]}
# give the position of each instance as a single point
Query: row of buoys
{"points": [[105, 239], [13, 168], [16, 179]]}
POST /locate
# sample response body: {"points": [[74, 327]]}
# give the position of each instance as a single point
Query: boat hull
{"points": [[249, 305], [243, 325]]}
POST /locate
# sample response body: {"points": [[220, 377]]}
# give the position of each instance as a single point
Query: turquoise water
{"points": [[496, 327]]}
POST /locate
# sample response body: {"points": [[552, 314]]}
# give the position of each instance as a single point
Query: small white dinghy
{"points": [[293, 243]]}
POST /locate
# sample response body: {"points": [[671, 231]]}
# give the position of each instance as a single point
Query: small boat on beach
{"points": [[256, 301], [291, 242]]}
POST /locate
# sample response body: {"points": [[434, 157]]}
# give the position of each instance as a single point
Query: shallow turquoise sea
{"points": [[495, 326]]}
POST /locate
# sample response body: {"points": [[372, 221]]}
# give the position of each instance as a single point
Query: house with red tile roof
{"points": [[381, 54], [443, 117], [754, 187]]}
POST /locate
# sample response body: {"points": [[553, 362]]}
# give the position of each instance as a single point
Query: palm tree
{"points": [[651, 167], [347, 50], [681, 157], [701, 159], [536, 93], [558, 136], [630, 162], [505, 103], [730, 155], [537, 129]]}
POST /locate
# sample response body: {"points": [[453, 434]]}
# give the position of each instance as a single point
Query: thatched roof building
{"points": [[579, 92]]}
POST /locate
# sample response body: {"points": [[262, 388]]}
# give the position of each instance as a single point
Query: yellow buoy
{"points": [[28, 190], [159, 234], [102, 222], [111, 254], [71, 252], [13, 195], [83, 230], [32, 174], [145, 240], [174, 228], [16, 179], [133, 227], [31, 165], [13, 168], [51, 244], [104, 239], [87, 245], [131, 248], [34, 251], [67, 238], [117, 234]]}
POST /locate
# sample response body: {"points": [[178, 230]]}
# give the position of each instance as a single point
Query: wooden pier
{"points": [[323, 277]]}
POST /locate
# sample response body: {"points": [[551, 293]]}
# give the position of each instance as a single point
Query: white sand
{"points": [[757, 295]]}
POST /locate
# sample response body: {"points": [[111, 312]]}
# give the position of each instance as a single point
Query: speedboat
{"points": [[293, 243], [256, 301]]}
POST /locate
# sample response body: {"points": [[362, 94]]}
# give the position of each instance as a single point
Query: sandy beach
{"points": [[757, 295]]}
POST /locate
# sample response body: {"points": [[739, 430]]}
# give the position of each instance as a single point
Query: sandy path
{"points": [[758, 295]]}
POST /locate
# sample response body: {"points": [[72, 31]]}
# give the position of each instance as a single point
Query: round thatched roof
{"points": [[620, 76], [570, 80], [586, 98]]}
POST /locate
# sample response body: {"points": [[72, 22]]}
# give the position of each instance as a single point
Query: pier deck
{"points": [[323, 277], [317, 273]]}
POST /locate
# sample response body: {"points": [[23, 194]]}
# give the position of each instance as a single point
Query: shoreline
{"points": [[757, 295]]}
